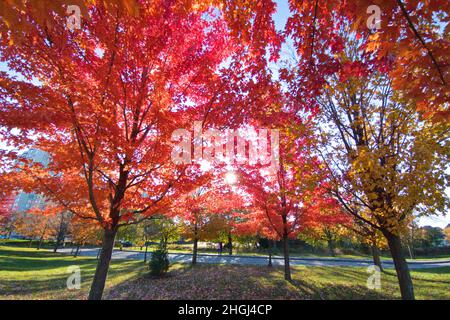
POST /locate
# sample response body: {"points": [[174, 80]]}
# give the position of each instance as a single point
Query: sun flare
{"points": [[230, 178]]}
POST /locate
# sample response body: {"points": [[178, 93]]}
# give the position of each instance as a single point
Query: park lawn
{"points": [[30, 274], [27, 273]]}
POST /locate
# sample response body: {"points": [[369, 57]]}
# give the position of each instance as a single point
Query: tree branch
{"points": [[418, 36]]}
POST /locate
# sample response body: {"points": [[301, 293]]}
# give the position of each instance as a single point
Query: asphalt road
{"points": [[258, 260]]}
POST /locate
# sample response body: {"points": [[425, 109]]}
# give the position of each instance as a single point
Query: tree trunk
{"points": [[146, 250], [76, 252], [410, 252], [42, 236], [287, 268], [57, 244], [230, 245], [331, 247], [376, 257], [98, 284], [41, 239], [194, 252], [401, 267], [61, 233], [270, 259], [330, 242], [220, 248], [59, 240]]}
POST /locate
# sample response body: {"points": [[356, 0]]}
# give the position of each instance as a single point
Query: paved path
{"points": [[259, 260]]}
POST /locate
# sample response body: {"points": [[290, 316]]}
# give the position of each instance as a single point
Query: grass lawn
{"points": [[30, 274], [26, 273]]}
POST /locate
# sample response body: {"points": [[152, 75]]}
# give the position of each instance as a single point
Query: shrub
{"points": [[159, 262]]}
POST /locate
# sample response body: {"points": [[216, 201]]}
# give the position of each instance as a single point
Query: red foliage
{"points": [[6, 205], [409, 46], [286, 201]]}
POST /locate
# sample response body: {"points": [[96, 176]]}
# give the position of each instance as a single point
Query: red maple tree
{"points": [[291, 198], [102, 101]]}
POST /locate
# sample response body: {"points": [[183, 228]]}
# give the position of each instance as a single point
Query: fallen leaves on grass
{"points": [[234, 283]]}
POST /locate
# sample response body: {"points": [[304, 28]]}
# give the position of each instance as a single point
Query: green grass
{"points": [[26, 273]]}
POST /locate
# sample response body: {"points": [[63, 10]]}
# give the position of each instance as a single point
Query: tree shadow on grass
{"points": [[339, 291], [32, 264], [48, 286], [325, 283], [440, 270], [54, 286], [350, 274], [416, 277], [32, 252]]}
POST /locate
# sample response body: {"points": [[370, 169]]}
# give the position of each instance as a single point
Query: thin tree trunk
{"points": [[220, 248], [146, 250], [76, 252], [410, 252], [41, 239], [230, 245], [376, 257], [194, 252], [98, 283], [411, 247], [330, 242], [331, 247], [61, 233], [29, 243], [57, 243], [287, 267], [42, 235], [59, 240], [401, 267]]}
